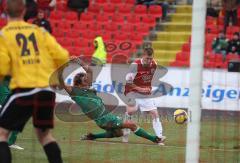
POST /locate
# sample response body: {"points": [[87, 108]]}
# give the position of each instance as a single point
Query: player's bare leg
{"points": [[156, 123], [130, 110]]}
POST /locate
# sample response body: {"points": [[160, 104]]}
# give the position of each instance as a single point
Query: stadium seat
{"points": [[120, 36], [143, 29], [155, 10], [87, 17], [220, 21], [73, 34], [63, 25], [186, 47], [94, 27], [132, 2], [136, 38], [106, 36], [100, 2], [213, 29], [140, 9], [74, 51], [134, 19], [73, 16], [94, 8], [115, 1], [149, 20], [81, 43], [111, 27], [66, 42], [80, 26], [88, 35], [102, 18], [56, 15], [232, 29], [58, 33], [62, 7], [118, 18], [232, 57], [125, 9], [109, 8], [128, 28]]}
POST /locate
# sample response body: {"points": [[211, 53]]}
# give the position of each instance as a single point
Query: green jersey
{"points": [[94, 108], [90, 103], [4, 90]]}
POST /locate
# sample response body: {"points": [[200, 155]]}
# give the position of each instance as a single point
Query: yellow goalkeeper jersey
{"points": [[29, 54]]}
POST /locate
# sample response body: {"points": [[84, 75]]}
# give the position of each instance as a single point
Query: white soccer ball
{"points": [[180, 116]]}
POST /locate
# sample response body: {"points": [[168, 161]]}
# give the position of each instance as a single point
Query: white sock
{"points": [[157, 126]]}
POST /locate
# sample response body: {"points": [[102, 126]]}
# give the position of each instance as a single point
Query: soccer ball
{"points": [[180, 116]]}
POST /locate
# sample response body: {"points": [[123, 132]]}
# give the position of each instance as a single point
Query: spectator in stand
{"points": [[78, 5], [220, 44], [2, 9], [230, 7], [164, 4], [41, 21], [31, 10], [234, 44], [46, 5]]}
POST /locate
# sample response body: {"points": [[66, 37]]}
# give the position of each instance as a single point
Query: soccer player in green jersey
{"points": [[93, 107], [4, 93]]}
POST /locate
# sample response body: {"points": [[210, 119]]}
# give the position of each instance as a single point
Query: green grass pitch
{"points": [[219, 143]]}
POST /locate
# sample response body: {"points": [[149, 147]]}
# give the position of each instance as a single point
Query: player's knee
{"points": [[132, 125], [118, 133], [44, 136], [4, 134]]}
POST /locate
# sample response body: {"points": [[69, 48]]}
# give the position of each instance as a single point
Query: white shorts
{"points": [[143, 103]]}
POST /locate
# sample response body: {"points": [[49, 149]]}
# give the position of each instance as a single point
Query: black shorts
{"points": [[22, 104]]}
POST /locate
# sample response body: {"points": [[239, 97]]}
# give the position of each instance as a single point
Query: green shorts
{"points": [[109, 122]]}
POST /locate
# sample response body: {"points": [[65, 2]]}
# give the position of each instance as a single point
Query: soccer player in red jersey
{"points": [[138, 89]]}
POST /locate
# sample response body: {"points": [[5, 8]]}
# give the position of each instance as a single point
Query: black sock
{"points": [[53, 152], [5, 153]]}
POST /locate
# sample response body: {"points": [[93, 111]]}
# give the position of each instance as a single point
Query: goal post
{"points": [[196, 67]]}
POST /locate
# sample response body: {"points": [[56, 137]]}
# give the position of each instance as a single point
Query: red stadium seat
{"points": [[71, 16], [81, 43], [109, 8], [213, 29], [63, 25], [87, 17], [125, 9], [134, 19], [118, 18], [66, 43], [106, 36], [136, 38], [88, 35], [149, 20], [115, 1], [128, 28], [111, 27], [140, 9], [61, 6], [155, 10], [120, 36], [186, 47], [73, 34], [232, 29], [74, 51], [232, 57], [102, 18], [100, 2], [94, 27], [132, 2], [3, 22], [143, 29], [94, 8], [56, 15]]}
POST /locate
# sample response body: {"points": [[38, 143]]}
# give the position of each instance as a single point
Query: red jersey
{"points": [[143, 77]]}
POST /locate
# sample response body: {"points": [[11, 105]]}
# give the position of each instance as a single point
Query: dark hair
{"points": [[148, 51], [236, 33], [78, 78], [15, 8]]}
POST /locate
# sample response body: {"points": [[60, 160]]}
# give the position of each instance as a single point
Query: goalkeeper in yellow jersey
{"points": [[29, 54]]}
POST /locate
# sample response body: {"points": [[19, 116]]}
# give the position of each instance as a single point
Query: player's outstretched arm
{"points": [[61, 81]]}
